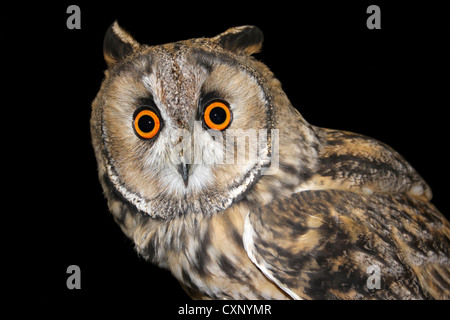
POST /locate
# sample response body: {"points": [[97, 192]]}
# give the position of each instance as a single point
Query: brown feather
{"points": [[320, 244]]}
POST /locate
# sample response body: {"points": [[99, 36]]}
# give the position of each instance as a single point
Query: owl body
{"points": [[295, 212]]}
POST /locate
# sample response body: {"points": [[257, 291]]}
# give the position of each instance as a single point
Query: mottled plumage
{"points": [[303, 219]]}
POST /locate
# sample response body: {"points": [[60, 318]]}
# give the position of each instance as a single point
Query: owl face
{"points": [[183, 126]]}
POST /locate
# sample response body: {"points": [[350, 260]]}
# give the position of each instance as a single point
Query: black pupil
{"points": [[146, 123], [218, 115]]}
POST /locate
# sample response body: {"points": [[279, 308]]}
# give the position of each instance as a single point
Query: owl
{"points": [[214, 175]]}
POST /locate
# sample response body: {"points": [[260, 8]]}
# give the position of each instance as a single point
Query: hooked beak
{"points": [[183, 169], [183, 166]]}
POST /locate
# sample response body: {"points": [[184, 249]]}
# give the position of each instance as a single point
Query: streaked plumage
{"points": [[306, 228]]}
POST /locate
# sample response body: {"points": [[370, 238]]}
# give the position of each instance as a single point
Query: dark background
{"points": [[391, 84]]}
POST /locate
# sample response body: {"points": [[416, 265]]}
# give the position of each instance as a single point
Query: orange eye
{"points": [[217, 115], [146, 123]]}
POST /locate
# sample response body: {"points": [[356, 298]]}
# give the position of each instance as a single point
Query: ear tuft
{"points": [[117, 44], [247, 39]]}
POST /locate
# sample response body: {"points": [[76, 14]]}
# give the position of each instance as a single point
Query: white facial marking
{"points": [[249, 247]]}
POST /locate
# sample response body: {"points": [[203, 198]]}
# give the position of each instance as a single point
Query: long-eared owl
{"points": [[214, 175]]}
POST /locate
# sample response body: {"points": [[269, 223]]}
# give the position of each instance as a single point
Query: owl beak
{"points": [[183, 169]]}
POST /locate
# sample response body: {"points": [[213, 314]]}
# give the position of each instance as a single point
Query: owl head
{"points": [[186, 126]]}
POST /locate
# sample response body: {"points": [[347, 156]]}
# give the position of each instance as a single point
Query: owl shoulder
{"points": [[354, 162]]}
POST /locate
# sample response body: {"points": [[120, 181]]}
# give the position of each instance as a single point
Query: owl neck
{"points": [[206, 255], [298, 159]]}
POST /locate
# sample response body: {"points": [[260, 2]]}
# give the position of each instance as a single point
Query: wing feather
{"points": [[350, 161], [319, 245]]}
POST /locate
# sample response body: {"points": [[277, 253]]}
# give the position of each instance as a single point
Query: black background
{"points": [[391, 84]]}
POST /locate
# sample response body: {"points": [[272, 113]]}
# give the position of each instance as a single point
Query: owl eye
{"points": [[146, 123], [217, 115]]}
